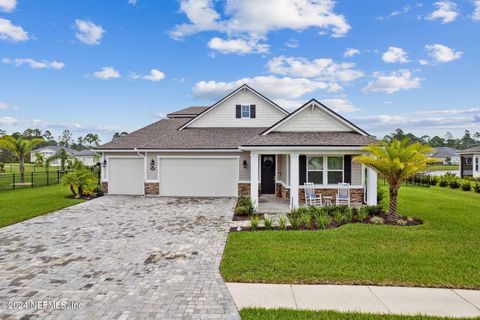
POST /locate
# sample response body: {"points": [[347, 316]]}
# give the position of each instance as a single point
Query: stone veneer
{"points": [[244, 189], [282, 191], [152, 188], [355, 194], [105, 187]]}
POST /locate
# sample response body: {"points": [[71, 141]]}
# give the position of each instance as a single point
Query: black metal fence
{"points": [[14, 181], [422, 180]]}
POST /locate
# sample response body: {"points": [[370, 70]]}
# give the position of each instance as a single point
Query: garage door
{"points": [[198, 177], [126, 176]]}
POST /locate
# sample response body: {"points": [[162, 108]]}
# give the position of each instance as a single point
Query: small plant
{"points": [[476, 187], [454, 184], [323, 221], [373, 210], [348, 215], [380, 195], [268, 223], [466, 185], [2, 167], [282, 223], [433, 180], [401, 222], [443, 182], [246, 205], [338, 216], [377, 220], [306, 221], [254, 222], [294, 222], [362, 213], [242, 211]]}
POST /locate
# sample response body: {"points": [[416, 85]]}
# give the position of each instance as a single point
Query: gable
{"points": [[312, 119], [223, 114]]}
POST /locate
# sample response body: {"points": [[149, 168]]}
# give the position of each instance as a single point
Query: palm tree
{"points": [[396, 160], [20, 148], [39, 159], [61, 155]]}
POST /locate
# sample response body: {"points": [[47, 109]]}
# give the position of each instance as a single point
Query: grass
{"points": [[20, 205], [442, 167], [285, 314], [443, 252], [29, 167]]}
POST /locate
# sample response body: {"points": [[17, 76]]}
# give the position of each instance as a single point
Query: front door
{"points": [[268, 174]]}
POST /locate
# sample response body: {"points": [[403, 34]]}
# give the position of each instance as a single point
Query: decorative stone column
{"points": [[294, 180]]}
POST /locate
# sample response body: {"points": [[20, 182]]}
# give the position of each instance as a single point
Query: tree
{"points": [[39, 159], [49, 139], [61, 155], [65, 140], [467, 141], [81, 182], [92, 139], [20, 148], [119, 135], [32, 133], [396, 160], [437, 142]]}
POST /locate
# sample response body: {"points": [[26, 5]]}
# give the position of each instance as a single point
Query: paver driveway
{"points": [[122, 258]]}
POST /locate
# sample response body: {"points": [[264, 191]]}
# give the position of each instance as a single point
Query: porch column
{"points": [[371, 187], [254, 178], [294, 174]]}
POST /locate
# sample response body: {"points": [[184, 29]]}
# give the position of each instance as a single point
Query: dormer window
{"points": [[245, 111]]}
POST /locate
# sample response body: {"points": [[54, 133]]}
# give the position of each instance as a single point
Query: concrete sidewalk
{"points": [[371, 299]]}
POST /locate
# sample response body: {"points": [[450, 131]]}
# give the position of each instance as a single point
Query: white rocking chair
{"points": [[311, 198], [343, 195]]}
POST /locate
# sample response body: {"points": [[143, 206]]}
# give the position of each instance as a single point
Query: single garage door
{"points": [[126, 176], [198, 177]]}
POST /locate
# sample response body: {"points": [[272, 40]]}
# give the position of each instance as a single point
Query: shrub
{"points": [[268, 223], [362, 213], [81, 182], [242, 211], [454, 183], [380, 195], [377, 220], [247, 204], [348, 215], [2, 167], [373, 210], [466, 185], [443, 182], [338, 217], [306, 220], [294, 222], [254, 222], [433, 180], [323, 221], [469, 178], [476, 187], [98, 190], [282, 223]]}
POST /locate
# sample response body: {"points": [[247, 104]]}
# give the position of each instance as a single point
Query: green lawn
{"points": [[444, 252], [29, 167], [442, 167], [20, 205], [282, 314]]}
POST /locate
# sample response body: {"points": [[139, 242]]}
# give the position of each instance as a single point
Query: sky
{"points": [[117, 65]]}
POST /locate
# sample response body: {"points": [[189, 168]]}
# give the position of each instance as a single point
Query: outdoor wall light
{"points": [[245, 164], [105, 163], [152, 165]]}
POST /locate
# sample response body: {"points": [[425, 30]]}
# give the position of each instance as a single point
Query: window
{"points": [[335, 170], [325, 170], [315, 170], [245, 111]]}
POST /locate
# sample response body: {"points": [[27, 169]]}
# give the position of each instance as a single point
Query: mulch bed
{"points": [[245, 218]]}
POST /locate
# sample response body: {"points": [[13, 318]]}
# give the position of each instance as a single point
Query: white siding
{"points": [[282, 169], [244, 172], [223, 115], [356, 174], [309, 120]]}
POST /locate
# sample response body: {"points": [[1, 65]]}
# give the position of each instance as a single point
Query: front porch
{"points": [[277, 177]]}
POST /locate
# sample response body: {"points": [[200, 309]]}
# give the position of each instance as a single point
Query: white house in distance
{"points": [[244, 144], [88, 157], [470, 162], [447, 155]]}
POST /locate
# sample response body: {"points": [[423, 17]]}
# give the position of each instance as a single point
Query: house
{"points": [[88, 157], [470, 162], [447, 155], [242, 145]]}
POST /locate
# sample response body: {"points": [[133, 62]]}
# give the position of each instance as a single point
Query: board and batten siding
{"points": [[223, 115], [356, 174], [309, 120]]}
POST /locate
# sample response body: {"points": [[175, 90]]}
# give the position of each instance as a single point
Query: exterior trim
{"points": [[198, 157], [243, 87], [168, 150], [324, 108]]}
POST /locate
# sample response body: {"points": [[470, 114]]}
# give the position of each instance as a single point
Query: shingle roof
{"points": [[190, 112], [444, 152], [471, 150], [312, 139], [55, 148]]}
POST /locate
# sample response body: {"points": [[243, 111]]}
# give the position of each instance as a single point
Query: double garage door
{"points": [[178, 177]]}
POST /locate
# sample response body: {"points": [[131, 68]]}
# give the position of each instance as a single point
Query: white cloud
{"points": [[258, 18], [10, 32], [238, 46], [395, 55], [161, 115], [292, 43], [445, 10], [393, 82], [441, 53], [107, 73], [340, 105], [34, 64], [132, 2], [423, 62], [4, 106], [271, 86], [322, 69], [351, 52], [8, 5], [155, 75], [406, 9], [8, 120], [88, 32], [476, 12]]}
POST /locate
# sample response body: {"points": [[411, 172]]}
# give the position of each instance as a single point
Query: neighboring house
{"points": [[447, 155], [470, 162], [244, 144], [88, 157]]}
